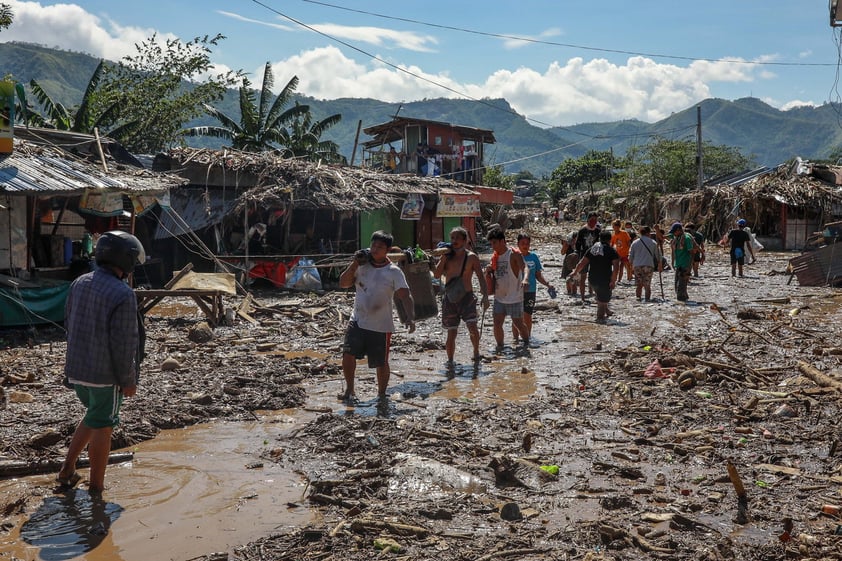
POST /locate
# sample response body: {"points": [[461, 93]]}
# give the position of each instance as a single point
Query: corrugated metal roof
{"points": [[46, 172], [25, 174]]}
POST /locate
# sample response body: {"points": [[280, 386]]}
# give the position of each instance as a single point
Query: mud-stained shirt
{"points": [[507, 287], [376, 287]]}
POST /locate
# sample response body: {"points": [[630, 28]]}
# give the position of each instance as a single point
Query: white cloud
{"points": [[565, 93], [796, 103], [68, 26], [377, 36], [524, 40]]}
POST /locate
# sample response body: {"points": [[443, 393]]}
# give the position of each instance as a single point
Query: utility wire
{"points": [[567, 45], [410, 73], [438, 84]]}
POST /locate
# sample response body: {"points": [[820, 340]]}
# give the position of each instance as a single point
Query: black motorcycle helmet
{"points": [[119, 249]]}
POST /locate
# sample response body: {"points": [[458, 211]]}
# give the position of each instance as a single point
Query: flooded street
{"points": [[213, 486]]}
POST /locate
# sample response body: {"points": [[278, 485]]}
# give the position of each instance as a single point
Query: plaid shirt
{"points": [[102, 330]]}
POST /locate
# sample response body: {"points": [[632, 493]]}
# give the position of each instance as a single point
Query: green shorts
{"points": [[102, 404]]}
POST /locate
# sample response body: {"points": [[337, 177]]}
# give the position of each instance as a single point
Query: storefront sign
{"points": [[457, 205], [102, 203]]}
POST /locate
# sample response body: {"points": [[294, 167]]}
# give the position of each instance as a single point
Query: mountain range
{"points": [[768, 134]]}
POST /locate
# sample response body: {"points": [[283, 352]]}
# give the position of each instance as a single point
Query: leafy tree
{"points": [[261, 124], [5, 16], [575, 173], [158, 90], [494, 177], [670, 166], [302, 139]]}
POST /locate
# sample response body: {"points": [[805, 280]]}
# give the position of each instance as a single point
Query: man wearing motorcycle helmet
{"points": [[103, 352]]}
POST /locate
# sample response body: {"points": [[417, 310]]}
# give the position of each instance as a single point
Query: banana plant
{"points": [[261, 121]]}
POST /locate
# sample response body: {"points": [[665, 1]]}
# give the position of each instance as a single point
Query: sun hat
{"points": [[675, 226]]}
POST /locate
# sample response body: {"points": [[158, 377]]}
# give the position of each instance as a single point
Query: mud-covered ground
{"points": [[588, 458]]}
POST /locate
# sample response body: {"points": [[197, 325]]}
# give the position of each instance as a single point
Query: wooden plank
{"points": [[15, 468], [178, 276]]}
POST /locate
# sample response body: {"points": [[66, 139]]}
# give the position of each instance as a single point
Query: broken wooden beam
{"points": [[17, 468]]}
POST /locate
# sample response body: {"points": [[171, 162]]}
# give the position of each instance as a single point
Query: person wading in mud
{"points": [[105, 341], [684, 247], [507, 269], [534, 275], [740, 241], [646, 259], [603, 265], [587, 237], [459, 266], [370, 328]]}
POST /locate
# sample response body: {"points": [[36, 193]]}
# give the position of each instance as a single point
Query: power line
{"points": [[428, 80], [567, 45]]}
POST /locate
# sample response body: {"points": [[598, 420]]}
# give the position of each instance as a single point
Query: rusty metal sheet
{"points": [[821, 267]]}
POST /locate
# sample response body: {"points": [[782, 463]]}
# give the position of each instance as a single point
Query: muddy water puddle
{"points": [[198, 489]]}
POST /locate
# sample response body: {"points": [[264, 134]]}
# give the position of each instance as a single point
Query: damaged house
{"points": [[58, 191], [260, 212]]}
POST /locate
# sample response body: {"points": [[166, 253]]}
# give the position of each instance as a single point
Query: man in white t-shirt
{"points": [[370, 329]]}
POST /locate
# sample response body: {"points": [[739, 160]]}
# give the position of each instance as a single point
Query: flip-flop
{"points": [[67, 483]]}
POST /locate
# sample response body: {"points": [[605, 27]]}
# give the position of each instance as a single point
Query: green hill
{"points": [[771, 135]]}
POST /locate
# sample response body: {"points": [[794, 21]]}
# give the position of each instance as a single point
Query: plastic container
{"points": [[832, 510], [68, 251]]}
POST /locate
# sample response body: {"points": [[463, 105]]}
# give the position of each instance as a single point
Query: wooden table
{"points": [[210, 301]]}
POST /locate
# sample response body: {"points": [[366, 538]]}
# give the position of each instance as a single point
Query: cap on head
{"points": [[119, 249], [675, 227], [741, 222]]}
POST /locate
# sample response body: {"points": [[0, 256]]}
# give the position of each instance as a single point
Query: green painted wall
{"points": [[449, 223], [370, 222]]}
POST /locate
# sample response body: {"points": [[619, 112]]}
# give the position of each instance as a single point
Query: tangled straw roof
{"points": [[280, 182]]}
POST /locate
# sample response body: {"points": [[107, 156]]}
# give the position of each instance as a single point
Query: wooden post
{"points": [[99, 149], [356, 141], [742, 497]]}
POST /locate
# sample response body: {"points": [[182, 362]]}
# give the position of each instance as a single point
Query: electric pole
{"points": [[699, 165]]}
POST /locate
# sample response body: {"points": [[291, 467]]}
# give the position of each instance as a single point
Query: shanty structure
{"points": [[784, 206], [430, 148], [53, 204], [255, 210]]}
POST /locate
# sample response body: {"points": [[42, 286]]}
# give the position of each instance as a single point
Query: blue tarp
{"points": [[33, 305]]}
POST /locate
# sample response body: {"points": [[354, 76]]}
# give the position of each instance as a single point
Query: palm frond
{"points": [[57, 113], [265, 94], [283, 99], [223, 119], [83, 118]]}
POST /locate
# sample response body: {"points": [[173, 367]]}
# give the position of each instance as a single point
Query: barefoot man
{"points": [[460, 302]]}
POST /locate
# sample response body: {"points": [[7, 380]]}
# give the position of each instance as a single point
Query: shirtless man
{"points": [[464, 264]]}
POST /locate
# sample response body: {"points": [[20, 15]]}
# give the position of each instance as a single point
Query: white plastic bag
{"points": [[304, 276]]}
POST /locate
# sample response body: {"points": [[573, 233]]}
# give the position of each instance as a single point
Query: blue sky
{"points": [[581, 60]]}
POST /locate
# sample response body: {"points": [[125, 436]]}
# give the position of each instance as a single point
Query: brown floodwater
{"points": [[203, 489], [188, 491]]}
